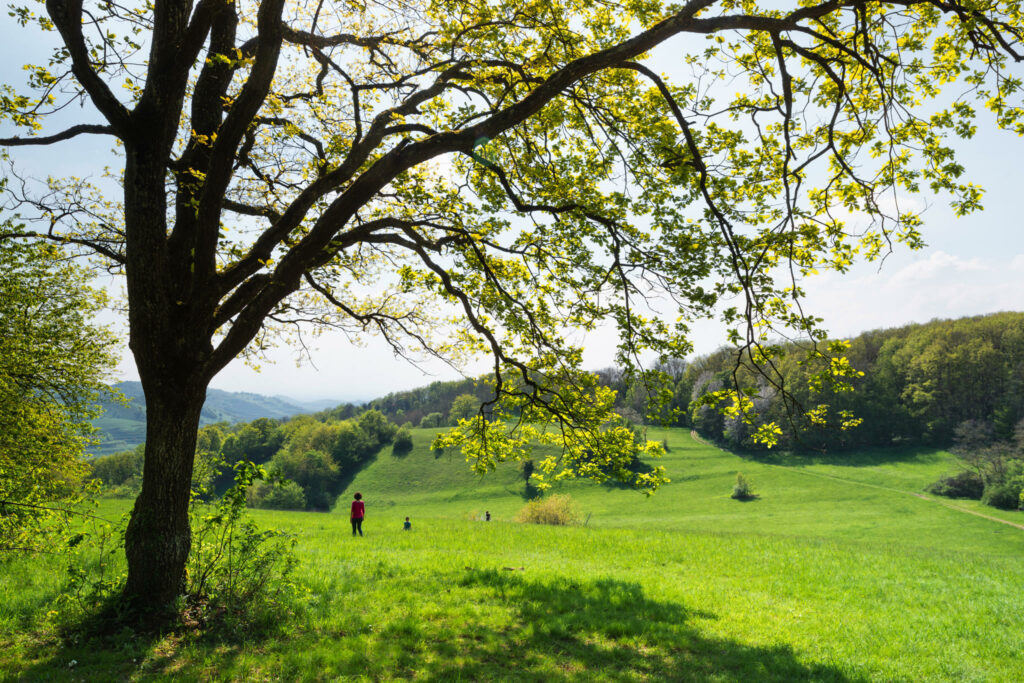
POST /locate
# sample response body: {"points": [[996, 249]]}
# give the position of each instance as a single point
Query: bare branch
{"points": [[73, 131]]}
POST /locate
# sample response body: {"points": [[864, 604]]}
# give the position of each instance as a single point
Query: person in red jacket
{"points": [[358, 512]]}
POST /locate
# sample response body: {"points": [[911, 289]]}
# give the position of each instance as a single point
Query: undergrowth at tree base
{"points": [[238, 583]]}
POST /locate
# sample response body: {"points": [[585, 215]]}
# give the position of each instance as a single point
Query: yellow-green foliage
{"points": [[591, 445], [558, 509], [53, 363]]}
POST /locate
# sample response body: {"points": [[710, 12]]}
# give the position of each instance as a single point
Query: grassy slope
{"points": [[834, 573], [855, 498]]}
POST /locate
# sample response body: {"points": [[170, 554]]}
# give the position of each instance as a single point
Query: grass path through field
{"points": [[844, 480]]}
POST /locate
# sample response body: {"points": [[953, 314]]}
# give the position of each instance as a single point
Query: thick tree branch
{"points": [[67, 17], [73, 131], [309, 252]]}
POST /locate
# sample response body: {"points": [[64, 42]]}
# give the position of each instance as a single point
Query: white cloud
{"points": [[938, 265], [939, 286]]}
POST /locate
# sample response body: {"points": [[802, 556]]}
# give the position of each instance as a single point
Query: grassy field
{"points": [[837, 572]]}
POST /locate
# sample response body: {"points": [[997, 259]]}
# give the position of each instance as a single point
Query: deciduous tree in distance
{"points": [[517, 164]]}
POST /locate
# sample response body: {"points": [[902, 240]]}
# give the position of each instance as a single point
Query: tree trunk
{"points": [[158, 537]]}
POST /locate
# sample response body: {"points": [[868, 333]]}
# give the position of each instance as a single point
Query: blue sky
{"points": [[972, 265]]}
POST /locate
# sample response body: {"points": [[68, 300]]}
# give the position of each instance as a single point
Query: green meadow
{"points": [[840, 570]]}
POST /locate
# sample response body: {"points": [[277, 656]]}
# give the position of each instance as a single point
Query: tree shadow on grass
{"points": [[349, 474], [866, 458], [637, 466], [605, 629], [399, 451], [558, 629], [122, 656]]}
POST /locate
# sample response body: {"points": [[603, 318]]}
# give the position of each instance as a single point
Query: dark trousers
{"points": [[357, 525]]}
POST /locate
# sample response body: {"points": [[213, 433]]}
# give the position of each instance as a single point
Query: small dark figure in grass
{"points": [[358, 512], [487, 516], [407, 526]]}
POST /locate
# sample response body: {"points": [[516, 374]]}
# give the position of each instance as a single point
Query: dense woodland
{"points": [[919, 383], [948, 383], [308, 458]]}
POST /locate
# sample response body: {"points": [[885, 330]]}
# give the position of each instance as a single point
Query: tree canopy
{"points": [[53, 361], [486, 177]]}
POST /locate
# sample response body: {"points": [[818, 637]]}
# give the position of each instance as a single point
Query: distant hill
{"points": [[124, 427]]}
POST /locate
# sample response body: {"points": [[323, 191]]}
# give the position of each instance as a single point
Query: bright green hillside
{"points": [[863, 497], [837, 572]]}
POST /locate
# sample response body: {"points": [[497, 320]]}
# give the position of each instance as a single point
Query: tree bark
{"points": [[158, 537]]}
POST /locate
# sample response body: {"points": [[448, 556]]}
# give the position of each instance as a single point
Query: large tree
{"points": [[484, 176]]}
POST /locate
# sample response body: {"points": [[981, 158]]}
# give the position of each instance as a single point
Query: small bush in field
{"points": [[403, 440], [557, 509], [1003, 495], [283, 495], [967, 484], [742, 490]]}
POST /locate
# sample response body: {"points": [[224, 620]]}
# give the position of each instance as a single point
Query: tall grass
{"points": [[558, 509]]}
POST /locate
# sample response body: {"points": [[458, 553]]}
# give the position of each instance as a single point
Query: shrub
{"points": [[741, 490], [282, 495], [431, 420], [1003, 495], [239, 576], [403, 440], [119, 469], [966, 484], [557, 509], [238, 579]]}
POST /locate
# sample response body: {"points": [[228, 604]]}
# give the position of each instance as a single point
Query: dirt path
{"points": [[922, 496]]}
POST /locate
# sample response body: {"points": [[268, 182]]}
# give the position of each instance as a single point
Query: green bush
{"points": [[122, 469], [431, 420], [403, 440], [967, 484], [282, 495], [238, 580], [1004, 495], [557, 509], [239, 576], [741, 490]]}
